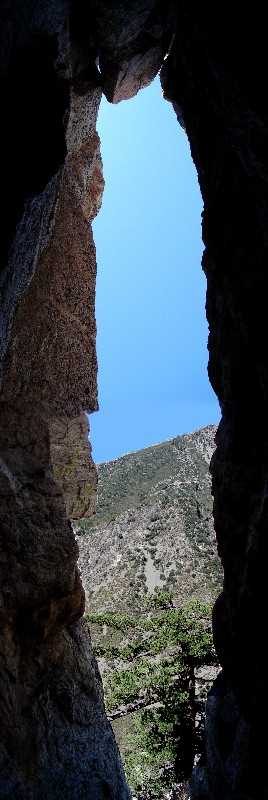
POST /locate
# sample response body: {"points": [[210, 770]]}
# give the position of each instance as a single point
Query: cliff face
{"points": [[219, 93], [55, 738], [153, 527]]}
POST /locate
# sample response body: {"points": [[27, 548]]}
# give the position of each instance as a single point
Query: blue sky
{"points": [[150, 307]]}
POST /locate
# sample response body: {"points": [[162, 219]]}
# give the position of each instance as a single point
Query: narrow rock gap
{"points": [[153, 382], [153, 385]]}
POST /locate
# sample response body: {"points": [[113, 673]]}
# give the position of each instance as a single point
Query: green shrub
{"points": [[163, 647]]}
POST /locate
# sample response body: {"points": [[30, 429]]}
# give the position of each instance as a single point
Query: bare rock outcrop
{"points": [[132, 41], [73, 466]]}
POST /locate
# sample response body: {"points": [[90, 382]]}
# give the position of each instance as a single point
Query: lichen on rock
{"points": [[73, 467]]}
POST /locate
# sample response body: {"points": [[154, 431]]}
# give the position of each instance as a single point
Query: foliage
{"points": [[160, 599], [119, 621], [155, 665]]}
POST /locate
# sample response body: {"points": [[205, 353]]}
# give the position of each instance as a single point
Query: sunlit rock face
{"points": [[55, 59], [73, 466]]}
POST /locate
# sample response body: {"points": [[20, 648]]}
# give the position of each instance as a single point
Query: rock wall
{"points": [[55, 738], [217, 88]]}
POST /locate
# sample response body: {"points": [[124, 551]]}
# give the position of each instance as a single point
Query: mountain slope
{"points": [[153, 526]]}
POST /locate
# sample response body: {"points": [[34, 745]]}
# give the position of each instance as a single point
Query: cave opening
{"points": [[150, 299]]}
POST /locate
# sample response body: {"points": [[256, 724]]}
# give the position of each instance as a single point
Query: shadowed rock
{"points": [[55, 737]]}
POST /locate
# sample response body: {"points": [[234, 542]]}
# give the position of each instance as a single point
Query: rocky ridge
{"points": [[153, 526]]}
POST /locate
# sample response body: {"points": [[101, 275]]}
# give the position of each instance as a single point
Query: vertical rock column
{"points": [[55, 738], [218, 92]]}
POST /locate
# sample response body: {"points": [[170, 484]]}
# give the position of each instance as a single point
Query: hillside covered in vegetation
{"points": [[157, 667]]}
